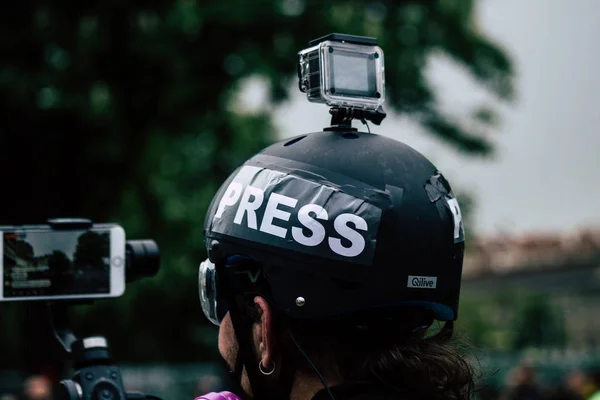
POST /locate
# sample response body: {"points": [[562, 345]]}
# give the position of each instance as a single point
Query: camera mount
{"points": [[97, 377], [341, 118]]}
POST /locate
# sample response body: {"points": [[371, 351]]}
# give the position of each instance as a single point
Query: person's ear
{"points": [[264, 334]]}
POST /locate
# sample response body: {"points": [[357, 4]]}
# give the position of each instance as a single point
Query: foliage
{"points": [[537, 324], [122, 111], [512, 321]]}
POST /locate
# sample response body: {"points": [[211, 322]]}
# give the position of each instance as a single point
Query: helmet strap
{"points": [[242, 327], [234, 377], [447, 330], [246, 356], [239, 368], [287, 376]]}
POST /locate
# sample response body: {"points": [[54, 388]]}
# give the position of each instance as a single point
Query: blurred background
{"points": [[135, 112]]}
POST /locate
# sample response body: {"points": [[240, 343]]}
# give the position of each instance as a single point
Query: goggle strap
{"points": [[243, 333]]}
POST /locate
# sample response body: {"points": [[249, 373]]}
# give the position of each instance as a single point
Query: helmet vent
{"points": [[350, 135], [295, 140]]}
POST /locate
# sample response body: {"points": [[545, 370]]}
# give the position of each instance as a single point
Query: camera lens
{"points": [[105, 391]]}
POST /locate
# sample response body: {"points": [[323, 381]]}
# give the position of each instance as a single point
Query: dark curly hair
{"points": [[389, 348]]}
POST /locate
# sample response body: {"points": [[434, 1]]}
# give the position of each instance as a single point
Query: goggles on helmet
{"points": [[212, 297], [214, 307]]}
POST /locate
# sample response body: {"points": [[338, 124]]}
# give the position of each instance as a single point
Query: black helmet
{"points": [[340, 222]]}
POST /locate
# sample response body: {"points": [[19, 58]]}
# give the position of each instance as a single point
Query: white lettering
{"points": [[249, 207], [230, 197], [356, 239], [422, 282], [272, 212], [318, 231], [456, 216]]}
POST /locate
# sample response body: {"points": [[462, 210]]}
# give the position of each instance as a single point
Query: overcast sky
{"points": [[545, 175]]}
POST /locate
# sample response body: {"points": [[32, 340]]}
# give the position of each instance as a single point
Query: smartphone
{"points": [[40, 263]]}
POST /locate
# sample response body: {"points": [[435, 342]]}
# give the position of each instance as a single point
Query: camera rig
{"points": [[97, 376]]}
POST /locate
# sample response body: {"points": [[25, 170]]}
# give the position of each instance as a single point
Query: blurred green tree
{"points": [[537, 323], [122, 111], [512, 320]]}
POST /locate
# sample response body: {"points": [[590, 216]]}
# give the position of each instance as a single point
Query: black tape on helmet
{"points": [[343, 222]]}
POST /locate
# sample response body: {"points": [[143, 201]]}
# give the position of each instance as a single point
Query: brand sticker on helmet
{"points": [[284, 210], [422, 282]]}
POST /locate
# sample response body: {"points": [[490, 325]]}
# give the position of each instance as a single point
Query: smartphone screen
{"points": [[46, 264]]}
